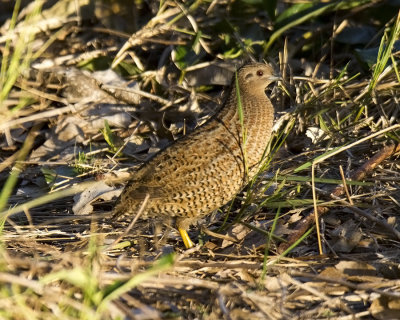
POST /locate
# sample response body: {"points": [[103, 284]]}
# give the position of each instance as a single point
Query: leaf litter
{"points": [[166, 81]]}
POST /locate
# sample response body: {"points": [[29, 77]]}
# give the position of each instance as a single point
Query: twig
{"points": [[369, 286], [39, 116], [345, 185], [140, 212], [118, 94]]}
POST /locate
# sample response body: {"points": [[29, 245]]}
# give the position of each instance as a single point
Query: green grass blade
{"points": [[384, 53]]}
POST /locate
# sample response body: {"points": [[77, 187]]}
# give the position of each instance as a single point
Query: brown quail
{"points": [[205, 169]]}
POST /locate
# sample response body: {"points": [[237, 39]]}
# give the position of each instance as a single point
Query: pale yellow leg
{"points": [[185, 237]]}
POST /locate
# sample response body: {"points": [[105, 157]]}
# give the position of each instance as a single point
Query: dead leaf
{"points": [[98, 191], [358, 271], [385, 308], [346, 236]]}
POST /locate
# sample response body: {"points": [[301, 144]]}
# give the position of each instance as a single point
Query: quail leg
{"points": [[186, 239], [183, 224]]}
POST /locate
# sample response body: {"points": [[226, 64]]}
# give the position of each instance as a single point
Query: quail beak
{"points": [[273, 78], [271, 83], [186, 239]]}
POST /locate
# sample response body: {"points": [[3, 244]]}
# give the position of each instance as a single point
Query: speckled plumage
{"points": [[205, 169]]}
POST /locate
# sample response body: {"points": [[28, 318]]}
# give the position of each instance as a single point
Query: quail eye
{"points": [[260, 73]]}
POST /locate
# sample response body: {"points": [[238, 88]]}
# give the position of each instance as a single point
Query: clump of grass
{"points": [[385, 53], [16, 57], [15, 61]]}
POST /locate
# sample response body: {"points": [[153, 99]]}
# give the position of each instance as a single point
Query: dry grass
{"points": [[62, 128]]}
